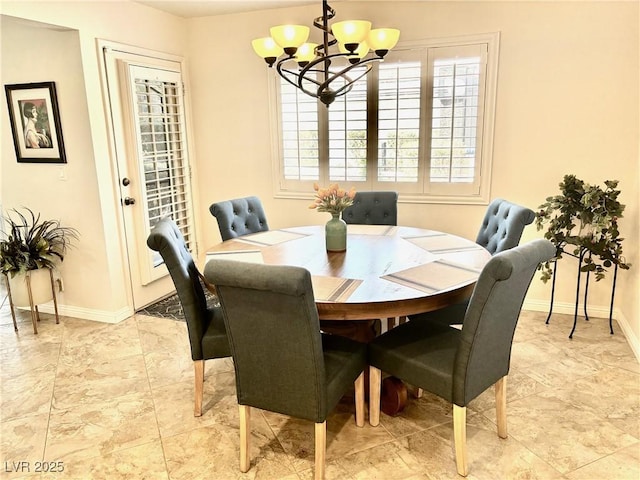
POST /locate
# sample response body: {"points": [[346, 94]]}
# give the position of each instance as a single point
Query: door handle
{"points": [[129, 201], [126, 181]]}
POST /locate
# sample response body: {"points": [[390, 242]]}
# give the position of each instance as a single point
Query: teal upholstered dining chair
{"points": [[283, 363], [207, 334], [458, 365], [369, 208], [503, 225], [501, 230], [240, 216], [373, 208]]}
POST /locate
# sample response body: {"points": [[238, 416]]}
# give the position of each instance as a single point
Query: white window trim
{"points": [[492, 39]]}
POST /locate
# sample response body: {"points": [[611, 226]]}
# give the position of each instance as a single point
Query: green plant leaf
{"points": [[585, 216], [33, 243]]}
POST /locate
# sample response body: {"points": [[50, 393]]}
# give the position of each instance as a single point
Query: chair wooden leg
{"points": [[501, 406], [375, 384], [198, 367], [245, 437], [460, 438], [359, 387], [321, 449]]}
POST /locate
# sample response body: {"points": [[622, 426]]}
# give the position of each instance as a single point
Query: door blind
{"points": [[162, 144]]}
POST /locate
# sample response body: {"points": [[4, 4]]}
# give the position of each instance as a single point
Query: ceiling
{"points": [[205, 8]]}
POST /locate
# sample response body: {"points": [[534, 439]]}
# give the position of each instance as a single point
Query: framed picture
{"points": [[35, 122]]}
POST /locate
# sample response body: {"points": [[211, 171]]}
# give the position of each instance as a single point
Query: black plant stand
{"points": [[580, 257]]}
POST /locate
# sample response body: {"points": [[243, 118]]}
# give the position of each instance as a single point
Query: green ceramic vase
{"points": [[336, 234]]}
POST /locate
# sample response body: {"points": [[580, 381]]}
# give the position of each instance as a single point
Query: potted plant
{"points": [[32, 247], [586, 217], [333, 200]]}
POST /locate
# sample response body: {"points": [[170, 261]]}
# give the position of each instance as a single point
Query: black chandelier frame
{"points": [[309, 71]]}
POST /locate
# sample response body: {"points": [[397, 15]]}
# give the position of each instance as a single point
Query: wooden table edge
{"points": [[392, 308]]}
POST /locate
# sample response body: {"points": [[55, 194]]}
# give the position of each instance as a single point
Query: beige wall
{"points": [[38, 186], [567, 103], [56, 41]]}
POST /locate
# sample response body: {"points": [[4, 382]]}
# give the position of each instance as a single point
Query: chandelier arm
{"points": [[299, 75], [346, 88], [350, 82], [327, 60], [321, 85], [281, 69], [308, 79]]}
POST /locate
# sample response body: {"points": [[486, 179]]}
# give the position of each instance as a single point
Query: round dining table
{"points": [[385, 272]]}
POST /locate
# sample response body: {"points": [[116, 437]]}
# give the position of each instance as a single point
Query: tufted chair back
{"points": [[373, 208], [503, 225], [240, 216]]}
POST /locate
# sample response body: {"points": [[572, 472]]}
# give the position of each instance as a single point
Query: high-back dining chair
{"points": [[502, 225], [282, 361], [239, 216], [373, 208], [501, 230], [207, 334], [458, 365], [369, 208]]}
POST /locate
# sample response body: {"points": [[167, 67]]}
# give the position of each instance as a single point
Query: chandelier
{"points": [[308, 66]]}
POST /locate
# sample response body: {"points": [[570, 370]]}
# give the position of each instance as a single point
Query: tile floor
{"points": [[116, 402]]}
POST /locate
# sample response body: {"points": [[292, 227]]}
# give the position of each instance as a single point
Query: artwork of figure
{"points": [[36, 124]]}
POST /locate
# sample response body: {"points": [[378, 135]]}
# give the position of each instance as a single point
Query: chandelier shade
{"points": [[351, 32], [316, 70], [267, 48], [383, 39], [306, 53], [290, 37]]}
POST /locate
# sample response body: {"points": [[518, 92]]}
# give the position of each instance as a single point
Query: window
{"points": [[421, 123]]}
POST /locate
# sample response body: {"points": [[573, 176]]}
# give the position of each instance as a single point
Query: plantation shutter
{"points": [[299, 129], [399, 119], [348, 133], [456, 76]]}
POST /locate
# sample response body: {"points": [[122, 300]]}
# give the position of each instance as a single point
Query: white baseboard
{"points": [[87, 314], [594, 311], [567, 308], [633, 340]]}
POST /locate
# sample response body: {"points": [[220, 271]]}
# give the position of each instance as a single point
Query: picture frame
{"points": [[35, 122]]}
